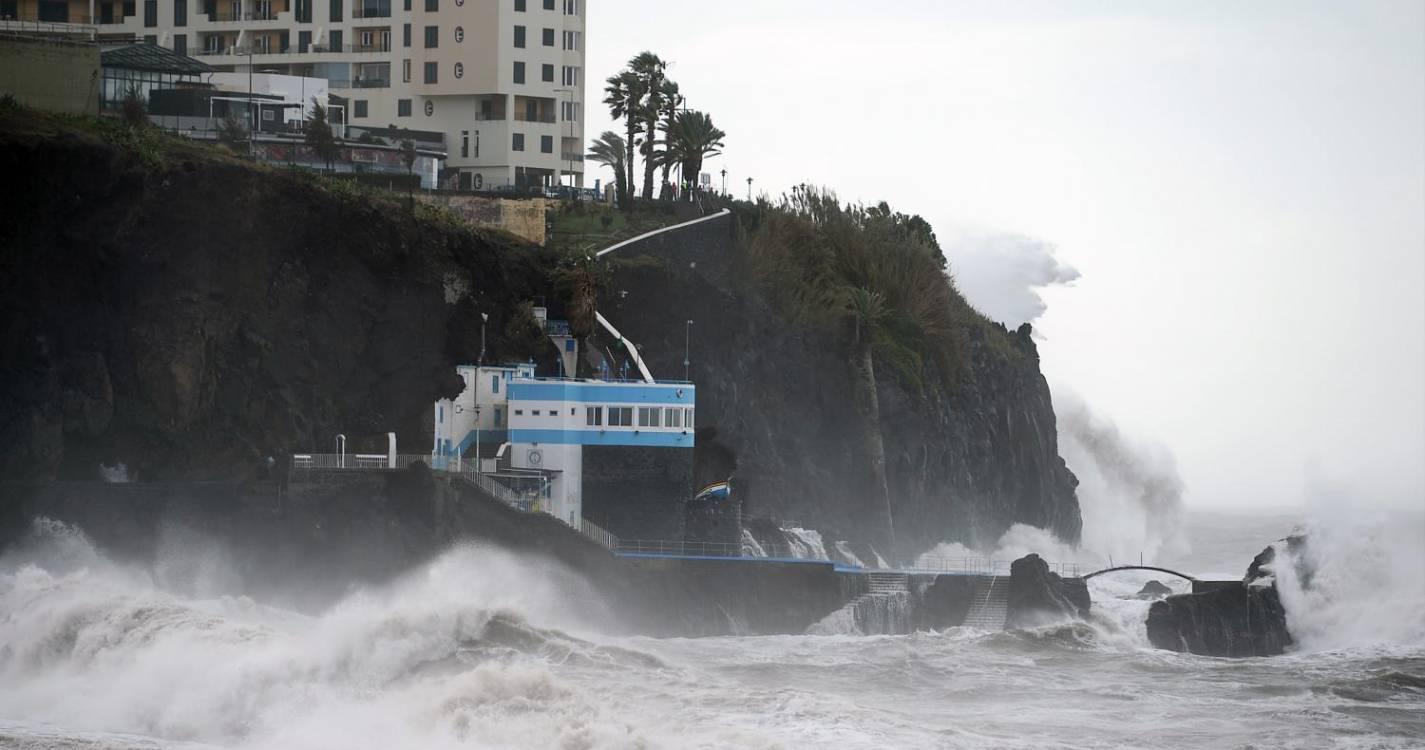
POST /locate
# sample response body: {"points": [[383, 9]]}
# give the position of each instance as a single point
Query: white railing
{"points": [[600, 535]]}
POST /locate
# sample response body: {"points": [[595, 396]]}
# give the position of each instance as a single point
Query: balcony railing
{"points": [[371, 12], [314, 49], [524, 117], [571, 156], [489, 116], [258, 14]]}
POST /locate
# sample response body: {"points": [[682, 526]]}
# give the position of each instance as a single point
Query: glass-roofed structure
{"points": [[145, 67]]}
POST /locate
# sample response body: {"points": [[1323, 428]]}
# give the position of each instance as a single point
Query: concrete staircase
{"points": [[887, 583], [989, 604]]}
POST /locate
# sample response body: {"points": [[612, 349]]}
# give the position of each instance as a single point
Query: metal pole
{"points": [[724, 180], [749, 189], [251, 117], [687, 339]]}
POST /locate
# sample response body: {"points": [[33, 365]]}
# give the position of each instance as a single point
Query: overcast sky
{"points": [[1226, 201]]}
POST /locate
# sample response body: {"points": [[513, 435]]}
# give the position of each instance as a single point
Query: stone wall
{"points": [[522, 217], [52, 75]]}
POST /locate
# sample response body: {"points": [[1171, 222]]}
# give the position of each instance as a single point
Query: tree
{"points": [[671, 99], [133, 108], [868, 312], [608, 149], [408, 156], [651, 71], [690, 138], [231, 132], [624, 97], [319, 135]]}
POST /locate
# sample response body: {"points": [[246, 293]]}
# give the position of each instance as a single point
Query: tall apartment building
{"points": [[502, 79]]}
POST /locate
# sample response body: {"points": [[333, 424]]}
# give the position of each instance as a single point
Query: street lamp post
{"points": [[341, 451], [724, 180], [687, 340], [749, 189]]}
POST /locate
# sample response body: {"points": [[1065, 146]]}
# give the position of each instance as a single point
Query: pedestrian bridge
{"points": [[1117, 568]]}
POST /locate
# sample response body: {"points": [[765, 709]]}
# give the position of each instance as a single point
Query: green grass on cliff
{"points": [[814, 256]]}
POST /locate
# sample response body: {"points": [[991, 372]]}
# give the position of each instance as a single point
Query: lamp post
{"points": [[749, 189], [341, 451], [251, 118], [724, 180], [687, 339]]}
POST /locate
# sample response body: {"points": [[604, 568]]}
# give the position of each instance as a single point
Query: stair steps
{"points": [[887, 583], [989, 604]]}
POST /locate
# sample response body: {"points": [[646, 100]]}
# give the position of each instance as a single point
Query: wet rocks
{"points": [[1154, 590], [1241, 619], [1038, 596]]}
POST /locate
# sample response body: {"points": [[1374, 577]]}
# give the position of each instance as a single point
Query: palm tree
{"points": [[671, 99], [608, 149], [869, 312], [690, 138], [624, 97], [651, 71]]}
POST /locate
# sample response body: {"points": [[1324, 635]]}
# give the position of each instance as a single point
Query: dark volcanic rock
{"points": [[964, 463], [1246, 619], [1038, 596], [1154, 590]]}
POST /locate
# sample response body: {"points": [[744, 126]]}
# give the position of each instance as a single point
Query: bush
{"points": [[133, 109]]}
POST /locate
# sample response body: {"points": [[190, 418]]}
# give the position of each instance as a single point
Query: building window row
{"points": [[571, 7], [572, 40], [648, 416], [569, 111], [571, 75]]}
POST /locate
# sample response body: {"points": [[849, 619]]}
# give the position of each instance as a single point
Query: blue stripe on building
{"points": [[614, 436], [602, 393]]}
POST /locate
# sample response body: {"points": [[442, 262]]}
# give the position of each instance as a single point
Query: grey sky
{"points": [[1241, 186]]}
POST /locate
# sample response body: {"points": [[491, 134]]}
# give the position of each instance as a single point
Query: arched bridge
{"points": [[1140, 567]]}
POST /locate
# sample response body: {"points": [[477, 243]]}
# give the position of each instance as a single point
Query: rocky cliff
{"points": [[191, 315], [775, 408], [1240, 619]]}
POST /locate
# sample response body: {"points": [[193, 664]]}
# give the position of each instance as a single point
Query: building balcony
{"points": [[525, 117], [361, 83], [371, 12], [315, 49], [571, 156]]}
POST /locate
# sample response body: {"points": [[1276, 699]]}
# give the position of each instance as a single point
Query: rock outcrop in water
{"points": [[1038, 595], [192, 317], [1240, 619]]}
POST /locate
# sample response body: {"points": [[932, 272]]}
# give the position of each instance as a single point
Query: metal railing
{"points": [[572, 156], [36, 26]]}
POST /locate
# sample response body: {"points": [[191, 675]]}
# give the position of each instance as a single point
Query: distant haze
{"points": [[1241, 187]]}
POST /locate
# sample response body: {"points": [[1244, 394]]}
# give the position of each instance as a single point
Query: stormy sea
{"points": [[481, 648]]}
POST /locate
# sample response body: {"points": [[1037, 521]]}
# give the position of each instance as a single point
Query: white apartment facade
{"points": [[503, 80]]}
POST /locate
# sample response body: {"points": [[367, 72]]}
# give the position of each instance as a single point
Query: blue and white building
{"points": [[531, 432]]}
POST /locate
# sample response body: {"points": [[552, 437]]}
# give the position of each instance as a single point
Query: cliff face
{"points": [[775, 408], [192, 319]]}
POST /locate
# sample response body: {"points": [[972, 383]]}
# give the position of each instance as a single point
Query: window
{"points": [[534, 413], [549, 4], [150, 13], [648, 416], [519, 6], [180, 16], [571, 7], [673, 417], [499, 416], [403, 107], [571, 40], [620, 416], [546, 144], [150, 39], [688, 418], [519, 72], [334, 10], [465, 154], [495, 380], [518, 142], [546, 73], [519, 412], [519, 37], [432, 6], [360, 108], [180, 43], [406, 35], [571, 75], [548, 37], [431, 74], [304, 11], [407, 7], [405, 71], [304, 41], [334, 40], [570, 111], [432, 37]]}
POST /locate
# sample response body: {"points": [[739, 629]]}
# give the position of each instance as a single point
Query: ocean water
{"points": [[482, 648]]}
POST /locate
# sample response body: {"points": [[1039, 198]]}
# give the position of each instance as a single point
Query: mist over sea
{"points": [[485, 649]]}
